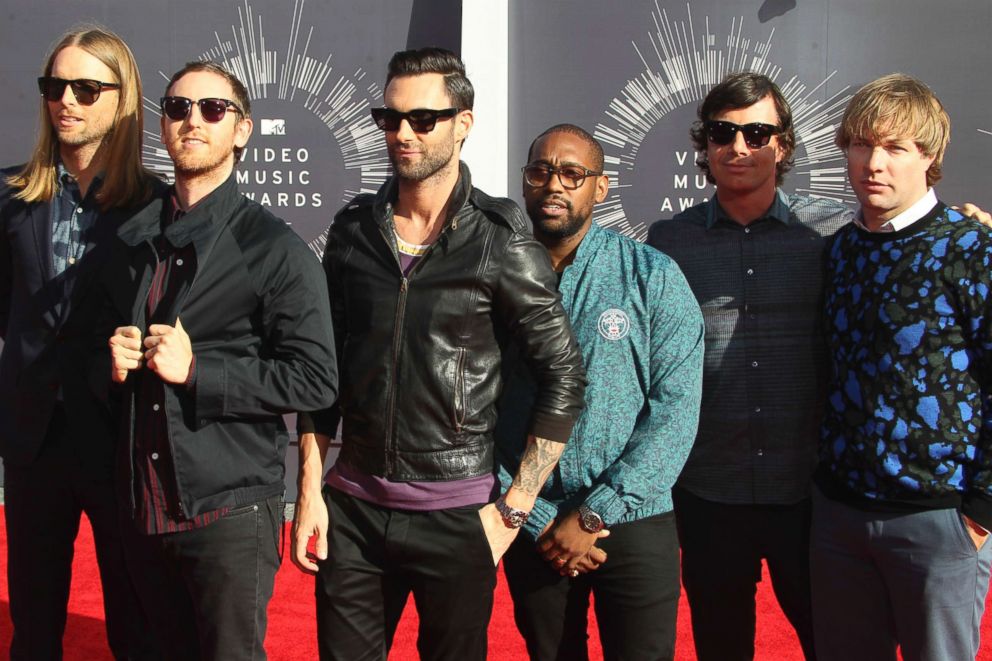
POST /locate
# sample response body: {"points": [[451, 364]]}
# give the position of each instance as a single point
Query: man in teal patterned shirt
{"points": [[603, 522]]}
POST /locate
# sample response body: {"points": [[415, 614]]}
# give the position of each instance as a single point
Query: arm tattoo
{"points": [[536, 465]]}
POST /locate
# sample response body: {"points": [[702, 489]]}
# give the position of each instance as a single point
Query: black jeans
{"points": [[43, 504], [722, 549], [636, 596], [378, 556], [207, 590]]}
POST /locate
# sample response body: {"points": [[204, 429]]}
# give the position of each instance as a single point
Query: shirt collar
{"points": [[779, 210], [918, 210], [64, 178]]}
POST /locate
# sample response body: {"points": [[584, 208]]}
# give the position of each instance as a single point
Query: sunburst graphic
{"points": [[680, 67], [284, 76]]}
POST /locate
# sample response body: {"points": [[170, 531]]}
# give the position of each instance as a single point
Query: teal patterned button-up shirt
{"points": [[641, 334]]}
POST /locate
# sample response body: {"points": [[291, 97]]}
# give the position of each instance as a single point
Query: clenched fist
{"points": [[169, 352]]}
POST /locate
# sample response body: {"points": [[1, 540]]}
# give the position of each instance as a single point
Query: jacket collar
{"points": [[385, 198], [589, 246], [196, 227]]}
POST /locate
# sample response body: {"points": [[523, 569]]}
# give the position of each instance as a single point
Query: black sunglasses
{"points": [[756, 134], [85, 90], [422, 120], [177, 108], [570, 176]]}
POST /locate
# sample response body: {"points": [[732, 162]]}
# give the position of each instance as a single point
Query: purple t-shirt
{"points": [[420, 496]]}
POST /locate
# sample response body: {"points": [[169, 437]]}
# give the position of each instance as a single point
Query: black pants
{"points": [[378, 556], [636, 596], [207, 590], [43, 505], [722, 549]]}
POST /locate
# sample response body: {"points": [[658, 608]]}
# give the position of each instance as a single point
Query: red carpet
{"points": [[292, 631]]}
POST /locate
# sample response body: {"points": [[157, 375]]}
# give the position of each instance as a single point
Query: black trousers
{"points": [[43, 503], [722, 549], [378, 556], [207, 590], [636, 596]]}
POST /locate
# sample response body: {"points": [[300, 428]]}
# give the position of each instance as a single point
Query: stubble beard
{"points": [[197, 166], [435, 159]]}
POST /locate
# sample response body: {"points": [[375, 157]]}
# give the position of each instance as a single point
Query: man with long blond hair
{"points": [[58, 214], [899, 544]]}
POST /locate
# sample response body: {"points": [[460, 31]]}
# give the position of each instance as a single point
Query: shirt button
{"points": [[750, 271], [179, 262], [757, 409], [155, 407], [154, 456], [761, 453], [747, 230], [754, 364], [72, 260]]}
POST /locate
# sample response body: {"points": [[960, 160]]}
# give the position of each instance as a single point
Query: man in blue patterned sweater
{"points": [[641, 334], [900, 552]]}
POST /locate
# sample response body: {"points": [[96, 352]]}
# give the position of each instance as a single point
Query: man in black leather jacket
{"points": [[430, 281]]}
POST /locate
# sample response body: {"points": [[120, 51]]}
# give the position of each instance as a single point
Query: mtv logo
{"points": [[273, 127]]}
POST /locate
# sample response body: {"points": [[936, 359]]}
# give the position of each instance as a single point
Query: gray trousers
{"points": [[882, 579]]}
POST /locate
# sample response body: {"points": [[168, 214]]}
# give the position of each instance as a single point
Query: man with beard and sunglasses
{"points": [[754, 259], [603, 523], [431, 281], [224, 326], [57, 435]]}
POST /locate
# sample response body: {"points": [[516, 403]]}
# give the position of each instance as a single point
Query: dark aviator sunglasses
{"points": [[756, 134], [85, 90], [177, 108], [422, 120]]}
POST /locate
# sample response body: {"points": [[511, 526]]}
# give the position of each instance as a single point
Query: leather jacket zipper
{"points": [[391, 405], [459, 394]]}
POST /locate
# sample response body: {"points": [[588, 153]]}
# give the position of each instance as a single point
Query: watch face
{"points": [[591, 521]]}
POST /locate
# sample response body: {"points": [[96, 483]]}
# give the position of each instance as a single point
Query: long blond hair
{"points": [[125, 182]]}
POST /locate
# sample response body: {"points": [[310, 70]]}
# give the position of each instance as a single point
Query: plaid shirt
{"points": [[72, 218], [156, 492]]}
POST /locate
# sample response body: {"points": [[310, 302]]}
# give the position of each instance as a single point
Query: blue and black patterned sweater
{"points": [[909, 326]]}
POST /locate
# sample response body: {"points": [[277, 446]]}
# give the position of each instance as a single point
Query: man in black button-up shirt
{"points": [[753, 257]]}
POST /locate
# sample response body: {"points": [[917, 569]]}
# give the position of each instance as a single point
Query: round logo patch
{"points": [[614, 324]]}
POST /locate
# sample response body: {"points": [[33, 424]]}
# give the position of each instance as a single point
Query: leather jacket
{"points": [[420, 355]]}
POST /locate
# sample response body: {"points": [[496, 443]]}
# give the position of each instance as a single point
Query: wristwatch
{"points": [[512, 517], [589, 520]]}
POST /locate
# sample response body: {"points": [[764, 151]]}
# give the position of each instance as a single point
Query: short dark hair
{"points": [[240, 93], [582, 134], [736, 91], [435, 60]]}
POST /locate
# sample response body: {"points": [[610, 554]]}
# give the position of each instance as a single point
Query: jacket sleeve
{"points": [[6, 266], [666, 429], [325, 420], [295, 369], [527, 301]]}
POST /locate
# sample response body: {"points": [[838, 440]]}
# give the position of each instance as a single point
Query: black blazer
{"points": [[51, 339]]}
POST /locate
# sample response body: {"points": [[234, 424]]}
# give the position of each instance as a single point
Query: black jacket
{"points": [[420, 355], [257, 316], [51, 340]]}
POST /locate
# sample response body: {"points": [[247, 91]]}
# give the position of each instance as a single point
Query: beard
{"points": [[434, 158], [194, 165], [558, 227]]}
